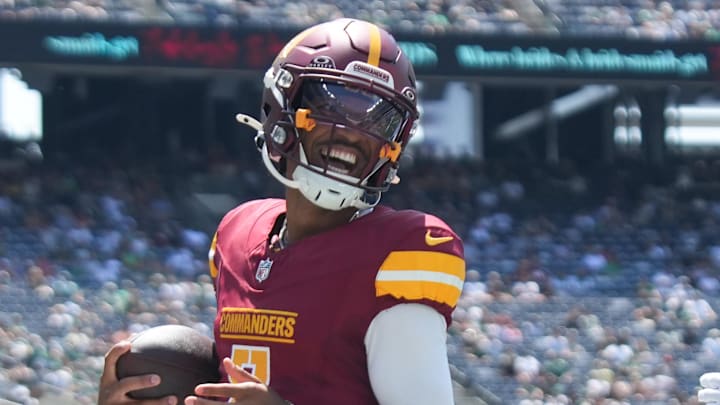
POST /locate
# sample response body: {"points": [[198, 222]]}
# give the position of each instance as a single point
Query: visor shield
{"points": [[353, 107]]}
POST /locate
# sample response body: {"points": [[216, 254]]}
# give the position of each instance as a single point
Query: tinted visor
{"points": [[353, 107]]}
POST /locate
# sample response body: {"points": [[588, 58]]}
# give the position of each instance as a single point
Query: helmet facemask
{"points": [[340, 138]]}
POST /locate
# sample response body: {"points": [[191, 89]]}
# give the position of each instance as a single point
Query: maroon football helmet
{"points": [[341, 76]]}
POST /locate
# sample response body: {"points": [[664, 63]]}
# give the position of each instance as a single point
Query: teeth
{"points": [[347, 157]]}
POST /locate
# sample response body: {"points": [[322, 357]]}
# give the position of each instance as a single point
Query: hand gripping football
{"points": [[180, 355]]}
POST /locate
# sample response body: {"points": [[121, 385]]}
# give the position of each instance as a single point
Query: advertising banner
{"points": [[467, 56]]}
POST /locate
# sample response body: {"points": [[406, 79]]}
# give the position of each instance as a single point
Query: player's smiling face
{"points": [[341, 150], [346, 128]]}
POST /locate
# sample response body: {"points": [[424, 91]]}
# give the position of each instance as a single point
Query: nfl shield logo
{"points": [[263, 270]]}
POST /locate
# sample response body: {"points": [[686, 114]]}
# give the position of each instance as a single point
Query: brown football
{"points": [[180, 355]]}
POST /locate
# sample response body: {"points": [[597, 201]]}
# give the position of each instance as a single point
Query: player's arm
{"points": [[407, 356], [417, 285]]}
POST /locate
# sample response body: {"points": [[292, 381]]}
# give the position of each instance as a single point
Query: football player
{"points": [[327, 297]]}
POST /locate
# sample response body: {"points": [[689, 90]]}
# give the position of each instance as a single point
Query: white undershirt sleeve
{"points": [[407, 356]]}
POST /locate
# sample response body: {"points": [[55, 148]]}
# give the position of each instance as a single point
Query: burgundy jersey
{"points": [[297, 317]]}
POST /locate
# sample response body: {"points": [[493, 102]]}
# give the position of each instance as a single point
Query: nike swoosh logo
{"points": [[436, 240]]}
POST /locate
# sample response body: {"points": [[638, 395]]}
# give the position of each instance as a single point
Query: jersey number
{"points": [[253, 359]]}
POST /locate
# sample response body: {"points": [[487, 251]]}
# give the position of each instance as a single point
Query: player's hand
{"points": [[114, 392], [710, 391], [247, 390]]}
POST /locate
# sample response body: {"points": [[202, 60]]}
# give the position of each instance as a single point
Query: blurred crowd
{"points": [[582, 287], [88, 257], [671, 19]]}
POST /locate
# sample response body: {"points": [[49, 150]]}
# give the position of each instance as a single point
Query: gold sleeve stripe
{"points": [[415, 290], [421, 275], [211, 257], [425, 260], [418, 275], [375, 45]]}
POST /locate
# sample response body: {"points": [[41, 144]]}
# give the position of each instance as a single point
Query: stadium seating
{"points": [[667, 20]]}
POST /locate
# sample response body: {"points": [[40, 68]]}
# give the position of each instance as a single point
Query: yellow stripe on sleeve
{"points": [[211, 257], [425, 260], [417, 275], [375, 45]]}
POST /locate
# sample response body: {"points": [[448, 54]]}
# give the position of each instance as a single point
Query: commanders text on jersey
{"points": [[258, 324]]}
